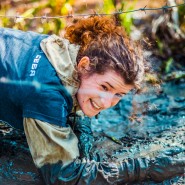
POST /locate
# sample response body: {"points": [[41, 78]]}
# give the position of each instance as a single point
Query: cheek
{"points": [[82, 96], [115, 101]]}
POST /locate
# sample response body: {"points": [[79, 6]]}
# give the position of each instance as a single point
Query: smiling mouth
{"points": [[95, 105]]}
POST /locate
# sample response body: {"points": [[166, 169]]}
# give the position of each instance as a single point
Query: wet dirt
{"points": [[16, 165], [139, 126], [144, 125]]}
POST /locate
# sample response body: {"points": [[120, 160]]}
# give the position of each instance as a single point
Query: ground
{"points": [[162, 127]]}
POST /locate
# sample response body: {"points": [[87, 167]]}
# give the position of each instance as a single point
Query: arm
{"points": [[55, 153], [82, 128], [50, 143]]}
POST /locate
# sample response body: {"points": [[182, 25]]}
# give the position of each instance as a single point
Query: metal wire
{"points": [[45, 17]]}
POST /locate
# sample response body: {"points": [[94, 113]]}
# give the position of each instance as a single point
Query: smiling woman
{"points": [[106, 53], [46, 81]]}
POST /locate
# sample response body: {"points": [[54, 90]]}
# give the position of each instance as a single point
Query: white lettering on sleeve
{"points": [[32, 73], [34, 65], [36, 60]]}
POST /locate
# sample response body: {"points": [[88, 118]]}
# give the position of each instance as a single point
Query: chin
{"points": [[89, 114]]}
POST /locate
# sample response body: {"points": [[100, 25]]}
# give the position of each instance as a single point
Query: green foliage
{"points": [[152, 78], [181, 12], [43, 8], [168, 65], [170, 42], [127, 22], [108, 6], [127, 18], [175, 75], [159, 45], [36, 8]]}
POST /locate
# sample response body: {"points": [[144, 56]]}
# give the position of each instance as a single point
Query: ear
{"points": [[83, 64]]}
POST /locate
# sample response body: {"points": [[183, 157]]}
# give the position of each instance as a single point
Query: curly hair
{"points": [[108, 47]]}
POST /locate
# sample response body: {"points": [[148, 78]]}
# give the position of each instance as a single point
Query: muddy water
{"points": [[158, 109], [143, 124]]}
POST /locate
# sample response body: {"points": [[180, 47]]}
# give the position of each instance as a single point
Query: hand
{"points": [[167, 164], [164, 166], [84, 133]]}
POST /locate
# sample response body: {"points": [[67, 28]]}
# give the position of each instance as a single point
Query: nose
{"points": [[108, 100]]}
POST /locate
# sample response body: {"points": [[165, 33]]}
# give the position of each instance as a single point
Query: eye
{"points": [[119, 96], [104, 87]]}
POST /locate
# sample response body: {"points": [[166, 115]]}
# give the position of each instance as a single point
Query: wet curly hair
{"points": [[108, 48]]}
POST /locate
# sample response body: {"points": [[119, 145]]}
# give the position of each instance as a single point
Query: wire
{"points": [[45, 17]]}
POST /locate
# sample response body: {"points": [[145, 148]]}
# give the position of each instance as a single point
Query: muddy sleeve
{"points": [[55, 153], [82, 129], [81, 172], [50, 143]]}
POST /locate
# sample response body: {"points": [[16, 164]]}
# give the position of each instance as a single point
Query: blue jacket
{"points": [[29, 82]]}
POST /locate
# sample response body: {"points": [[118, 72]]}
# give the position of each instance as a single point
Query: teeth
{"points": [[95, 105]]}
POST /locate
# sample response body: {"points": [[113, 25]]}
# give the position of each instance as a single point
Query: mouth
{"points": [[94, 105]]}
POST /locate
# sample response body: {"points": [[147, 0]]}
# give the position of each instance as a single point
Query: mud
{"points": [[16, 165], [144, 125], [141, 125]]}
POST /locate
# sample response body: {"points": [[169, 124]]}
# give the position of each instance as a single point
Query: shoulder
{"points": [[28, 37]]}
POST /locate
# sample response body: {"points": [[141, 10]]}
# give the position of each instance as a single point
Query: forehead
{"points": [[113, 79], [110, 75]]}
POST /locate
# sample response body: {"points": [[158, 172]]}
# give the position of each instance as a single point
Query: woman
{"points": [[46, 80]]}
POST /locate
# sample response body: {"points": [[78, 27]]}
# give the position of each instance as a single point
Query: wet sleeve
{"points": [[50, 143], [83, 131], [55, 153], [83, 172]]}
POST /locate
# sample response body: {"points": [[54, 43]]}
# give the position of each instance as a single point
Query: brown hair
{"points": [[108, 47]]}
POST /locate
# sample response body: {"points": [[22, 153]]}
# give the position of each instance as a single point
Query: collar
{"points": [[62, 55]]}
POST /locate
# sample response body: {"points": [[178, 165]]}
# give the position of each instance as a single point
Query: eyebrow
{"points": [[113, 87]]}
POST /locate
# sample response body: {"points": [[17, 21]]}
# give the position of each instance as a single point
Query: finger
{"points": [[173, 151]]}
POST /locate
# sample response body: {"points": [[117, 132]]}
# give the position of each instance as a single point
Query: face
{"points": [[99, 92]]}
